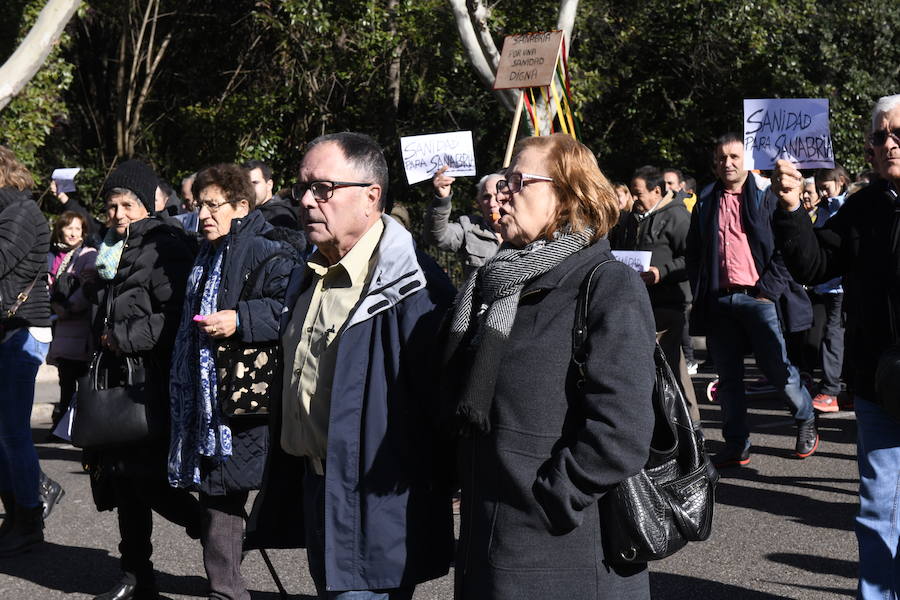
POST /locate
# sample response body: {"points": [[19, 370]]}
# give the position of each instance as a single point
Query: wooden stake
{"points": [[515, 129]]}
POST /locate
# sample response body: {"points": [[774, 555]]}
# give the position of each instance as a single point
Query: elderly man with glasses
{"points": [[353, 475], [862, 243]]}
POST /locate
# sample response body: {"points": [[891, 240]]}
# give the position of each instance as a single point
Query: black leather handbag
{"points": [[655, 513], [114, 405]]}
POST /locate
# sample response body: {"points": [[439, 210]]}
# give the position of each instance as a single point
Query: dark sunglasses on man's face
{"points": [[880, 137]]}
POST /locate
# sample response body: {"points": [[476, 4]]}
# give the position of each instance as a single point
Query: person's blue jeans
{"points": [[742, 321], [878, 522], [20, 357], [314, 523]]}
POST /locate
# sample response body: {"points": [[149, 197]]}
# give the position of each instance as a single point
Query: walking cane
{"points": [[265, 556]]}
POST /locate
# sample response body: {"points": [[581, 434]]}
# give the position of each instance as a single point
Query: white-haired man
{"points": [[472, 237], [860, 242]]}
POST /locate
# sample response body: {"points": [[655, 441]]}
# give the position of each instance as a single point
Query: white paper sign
{"points": [[425, 154], [65, 179], [794, 129], [639, 260]]}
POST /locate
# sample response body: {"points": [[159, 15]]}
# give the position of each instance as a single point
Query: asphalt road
{"points": [[783, 528]]}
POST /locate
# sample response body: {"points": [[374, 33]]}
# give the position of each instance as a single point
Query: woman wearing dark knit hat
{"points": [[142, 268]]}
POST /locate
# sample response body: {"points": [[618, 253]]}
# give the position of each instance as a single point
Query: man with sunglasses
{"points": [[862, 243], [352, 474]]}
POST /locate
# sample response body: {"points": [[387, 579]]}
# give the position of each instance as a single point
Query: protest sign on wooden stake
{"points": [[532, 60], [794, 129], [528, 60]]}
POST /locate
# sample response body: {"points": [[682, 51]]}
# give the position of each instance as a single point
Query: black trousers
{"points": [[69, 372], [136, 500]]}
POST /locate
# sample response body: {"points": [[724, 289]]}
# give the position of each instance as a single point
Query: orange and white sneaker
{"points": [[825, 403]]}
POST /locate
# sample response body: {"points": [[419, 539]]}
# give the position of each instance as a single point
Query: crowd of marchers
{"points": [[301, 344]]}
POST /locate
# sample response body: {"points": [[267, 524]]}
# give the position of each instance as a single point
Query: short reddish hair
{"points": [[586, 197]]}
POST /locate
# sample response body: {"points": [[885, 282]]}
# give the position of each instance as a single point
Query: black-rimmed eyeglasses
{"points": [[321, 190], [514, 182]]}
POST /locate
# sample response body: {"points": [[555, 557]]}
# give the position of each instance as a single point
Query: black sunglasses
{"points": [[880, 137]]}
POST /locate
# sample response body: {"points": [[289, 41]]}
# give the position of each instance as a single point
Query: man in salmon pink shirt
{"points": [[744, 298]]}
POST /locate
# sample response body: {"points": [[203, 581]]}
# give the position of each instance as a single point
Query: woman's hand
{"points": [[62, 196], [221, 324]]}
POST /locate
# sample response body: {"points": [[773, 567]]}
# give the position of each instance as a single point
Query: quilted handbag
{"points": [[655, 513], [248, 374], [247, 377]]}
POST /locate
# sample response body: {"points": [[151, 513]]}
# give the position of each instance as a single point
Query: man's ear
{"points": [[270, 187], [373, 198]]}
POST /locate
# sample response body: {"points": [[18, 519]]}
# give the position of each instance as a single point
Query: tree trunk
{"points": [[141, 49], [18, 70]]}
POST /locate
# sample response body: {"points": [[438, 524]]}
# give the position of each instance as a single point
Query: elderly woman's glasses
{"points": [[212, 207], [514, 182], [880, 137], [321, 190]]}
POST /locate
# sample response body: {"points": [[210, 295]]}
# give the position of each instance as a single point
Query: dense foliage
{"points": [[655, 81]]}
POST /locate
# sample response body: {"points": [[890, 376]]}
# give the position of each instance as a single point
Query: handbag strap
{"points": [[579, 331], [22, 297]]}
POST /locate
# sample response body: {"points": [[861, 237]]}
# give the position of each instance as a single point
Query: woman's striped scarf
{"points": [[483, 316]]}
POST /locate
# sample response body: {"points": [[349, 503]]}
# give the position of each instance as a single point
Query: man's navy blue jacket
{"points": [[702, 258]]}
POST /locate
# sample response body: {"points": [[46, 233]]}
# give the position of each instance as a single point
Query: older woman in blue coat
{"points": [[537, 450], [234, 298]]}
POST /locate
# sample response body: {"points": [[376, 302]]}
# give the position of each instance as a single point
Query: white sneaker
{"points": [[692, 367]]}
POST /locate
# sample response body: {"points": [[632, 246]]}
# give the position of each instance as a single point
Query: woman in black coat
{"points": [[141, 269], [24, 339], [223, 365], [537, 450]]}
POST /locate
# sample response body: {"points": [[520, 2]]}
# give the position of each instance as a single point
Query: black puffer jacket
{"points": [[146, 298], [279, 212], [251, 241], [24, 243]]}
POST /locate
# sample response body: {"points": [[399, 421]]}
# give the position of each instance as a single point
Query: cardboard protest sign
{"points": [[794, 129], [65, 179], [528, 60], [425, 154], [639, 260]]}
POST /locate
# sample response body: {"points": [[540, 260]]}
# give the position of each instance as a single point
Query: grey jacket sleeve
{"points": [[439, 231]]}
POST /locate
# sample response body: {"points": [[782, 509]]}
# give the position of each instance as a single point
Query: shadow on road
{"points": [[668, 586], [90, 571], [799, 507], [817, 564]]}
